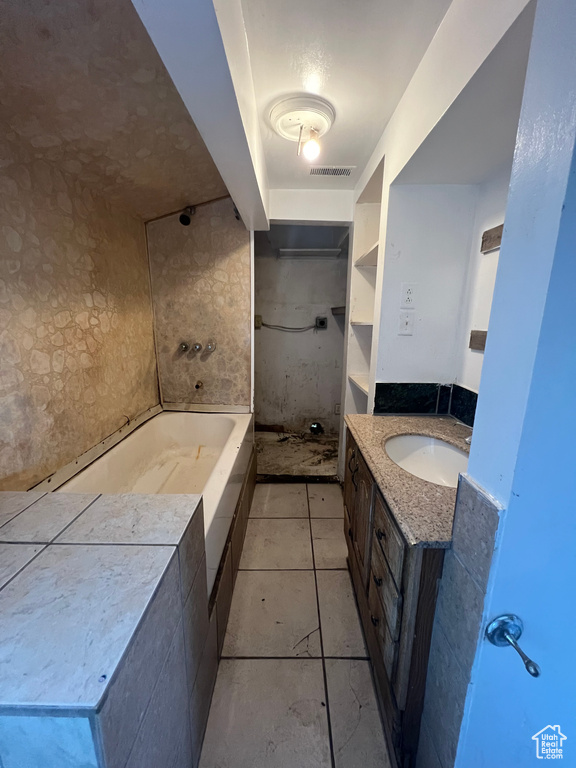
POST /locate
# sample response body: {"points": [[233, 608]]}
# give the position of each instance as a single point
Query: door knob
{"points": [[507, 630]]}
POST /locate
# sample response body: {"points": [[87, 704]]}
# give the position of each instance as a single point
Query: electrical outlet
{"points": [[407, 295], [337, 409], [321, 322], [406, 323]]}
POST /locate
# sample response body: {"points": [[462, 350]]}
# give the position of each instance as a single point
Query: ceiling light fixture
{"points": [[303, 119]]}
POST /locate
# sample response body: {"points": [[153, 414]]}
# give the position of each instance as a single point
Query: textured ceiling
{"points": [[82, 85]]}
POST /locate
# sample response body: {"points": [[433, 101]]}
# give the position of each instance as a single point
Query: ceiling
{"points": [[476, 137], [81, 85], [360, 56]]}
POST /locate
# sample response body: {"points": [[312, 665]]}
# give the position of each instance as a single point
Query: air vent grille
{"points": [[333, 171]]}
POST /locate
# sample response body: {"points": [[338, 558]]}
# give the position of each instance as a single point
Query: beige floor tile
{"points": [[341, 630], [330, 548], [278, 544], [274, 613], [357, 733], [326, 500], [279, 500], [267, 713]]}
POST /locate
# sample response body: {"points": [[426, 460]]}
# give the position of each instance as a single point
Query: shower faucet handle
{"points": [[210, 346], [197, 347], [183, 346], [507, 630]]}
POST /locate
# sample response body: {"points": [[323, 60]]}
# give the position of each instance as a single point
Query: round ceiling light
{"points": [[289, 117]]}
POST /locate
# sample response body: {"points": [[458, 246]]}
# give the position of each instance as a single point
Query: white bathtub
{"points": [[177, 452]]}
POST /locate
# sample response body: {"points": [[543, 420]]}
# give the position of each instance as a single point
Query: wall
{"points": [[477, 300], [201, 292], [76, 344], [298, 376], [428, 243]]}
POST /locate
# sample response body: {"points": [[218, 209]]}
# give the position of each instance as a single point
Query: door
{"points": [[524, 444]]}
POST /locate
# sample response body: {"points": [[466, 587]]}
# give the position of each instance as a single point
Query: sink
{"points": [[428, 458]]}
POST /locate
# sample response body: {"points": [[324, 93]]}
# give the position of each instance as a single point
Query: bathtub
{"points": [[177, 452]]}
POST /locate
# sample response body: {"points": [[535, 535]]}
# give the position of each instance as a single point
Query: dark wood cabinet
{"points": [[396, 586]]}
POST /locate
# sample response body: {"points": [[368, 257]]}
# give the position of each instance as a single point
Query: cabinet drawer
{"points": [[388, 648], [384, 587], [389, 537]]}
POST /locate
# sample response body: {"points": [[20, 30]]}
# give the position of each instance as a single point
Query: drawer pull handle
{"points": [[380, 534], [377, 580], [374, 620], [352, 456]]}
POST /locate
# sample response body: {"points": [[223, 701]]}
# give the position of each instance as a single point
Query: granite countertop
{"points": [[423, 510]]}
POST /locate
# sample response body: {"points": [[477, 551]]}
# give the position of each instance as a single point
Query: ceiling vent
{"points": [[331, 171]]}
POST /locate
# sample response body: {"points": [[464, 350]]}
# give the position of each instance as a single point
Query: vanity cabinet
{"points": [[396, 586]]}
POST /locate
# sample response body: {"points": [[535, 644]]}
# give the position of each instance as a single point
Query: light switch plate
{"points": [[406, 323]]}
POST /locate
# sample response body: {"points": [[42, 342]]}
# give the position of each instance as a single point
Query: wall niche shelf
{"points": [[360, 380], [362, 323], [338, 310], [369, 258]]}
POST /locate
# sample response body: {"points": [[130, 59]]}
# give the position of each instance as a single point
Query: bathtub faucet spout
{"points": [[198, 385]]}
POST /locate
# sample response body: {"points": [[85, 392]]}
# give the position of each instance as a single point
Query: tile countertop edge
{"points": [[423, 510]]}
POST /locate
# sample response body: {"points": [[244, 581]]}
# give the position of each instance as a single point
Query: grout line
{"points": [[330, 739], [11, 579], [53, 539], [23, 510]]}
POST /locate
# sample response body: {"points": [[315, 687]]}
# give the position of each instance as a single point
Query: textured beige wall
{"points": [[76, 338], [201, 291]]}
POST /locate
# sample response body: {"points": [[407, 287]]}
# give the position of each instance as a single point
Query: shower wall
{"points": [[201, 292], [76, 338]]}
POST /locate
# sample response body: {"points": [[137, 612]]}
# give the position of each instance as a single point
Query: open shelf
{"points": [[338, 310], [360, 380], [364, 323], [369, 258]]}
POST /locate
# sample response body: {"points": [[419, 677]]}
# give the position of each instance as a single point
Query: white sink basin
{"points": [[428, 458]]}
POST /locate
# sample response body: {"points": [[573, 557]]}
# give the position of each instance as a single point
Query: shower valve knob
{"points": [[183, 346], [197, 347], [210, 346]]}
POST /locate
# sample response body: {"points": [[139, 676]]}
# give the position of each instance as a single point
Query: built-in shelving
{"points": [[360, 380], [338, 310], [369, 258], [362, 323]]}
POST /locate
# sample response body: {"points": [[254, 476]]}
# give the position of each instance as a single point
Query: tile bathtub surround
{"points": [[96, 592], [13, 557], [12, 503], [201, 292], [457, 623], [46, 518], [133, 518]]}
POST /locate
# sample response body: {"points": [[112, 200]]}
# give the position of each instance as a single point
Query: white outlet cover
{"points": [[408, 295]]}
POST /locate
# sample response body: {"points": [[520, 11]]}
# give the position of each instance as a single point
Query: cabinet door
{"points": [[362, 516], [350, 473]]}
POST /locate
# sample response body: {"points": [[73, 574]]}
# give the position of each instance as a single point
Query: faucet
{"points": [[469, 438]]}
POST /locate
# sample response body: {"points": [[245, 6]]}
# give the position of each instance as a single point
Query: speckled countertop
{"points": [[424, 511]]}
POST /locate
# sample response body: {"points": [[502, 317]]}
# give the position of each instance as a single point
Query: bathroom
{"points": [[152, 611]]}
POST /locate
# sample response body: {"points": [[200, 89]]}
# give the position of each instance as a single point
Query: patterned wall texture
{"points": [[201, 291], [76, 340], [82, 85]]}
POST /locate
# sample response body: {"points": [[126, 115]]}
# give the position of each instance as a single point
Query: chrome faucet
{"points": [[197, 347]]}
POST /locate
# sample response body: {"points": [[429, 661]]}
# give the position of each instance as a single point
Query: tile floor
{"points": [[294, 687]]}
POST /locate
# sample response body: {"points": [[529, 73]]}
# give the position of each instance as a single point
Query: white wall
{"points": [[428, 242], [298, 376], [477, 300]]}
